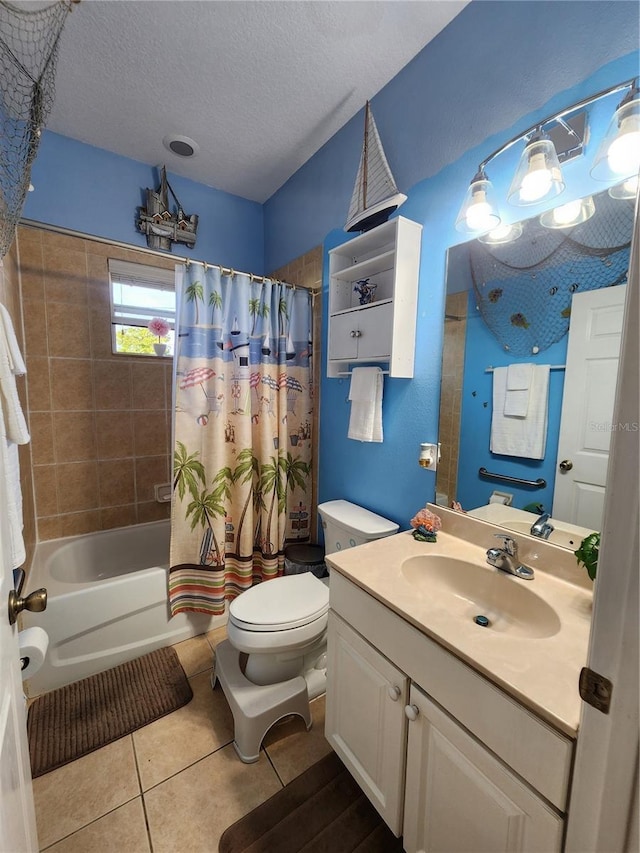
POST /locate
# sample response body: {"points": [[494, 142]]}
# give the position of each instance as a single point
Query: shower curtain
{"points": [[242, 434]]}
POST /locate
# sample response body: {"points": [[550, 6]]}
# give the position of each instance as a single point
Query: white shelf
{"points": [[365, 269], [361, 307]]}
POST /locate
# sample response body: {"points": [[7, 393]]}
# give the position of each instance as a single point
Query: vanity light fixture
{"points": [[627, 189], [570, 214], [549, 143], [502, 234]]}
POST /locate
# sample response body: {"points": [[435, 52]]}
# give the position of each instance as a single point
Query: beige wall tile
{"points": [[148, 385], [30, 244], [153, 511], [100, 330], [151, 437], [112, 384], [71, 384], [84, 790], [115, 434], [123, 829], [49, 528], [35, 328], [38, 384], [118, 516], [46, 490], [116, 482], [41, 430], [150, 470], [77, 486], [68, 330], [32, 282], [74, 436], [79, 523]]}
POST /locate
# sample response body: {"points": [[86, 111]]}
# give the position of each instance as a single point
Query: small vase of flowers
{"points": [[158, 326]]}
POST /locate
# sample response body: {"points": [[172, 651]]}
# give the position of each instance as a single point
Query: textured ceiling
{"points": [[260, 85]]}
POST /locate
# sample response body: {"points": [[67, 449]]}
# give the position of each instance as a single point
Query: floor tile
{"points": [[195, 655], [172, 743], [190, 811], [124, 829], [292, 748], [216, 636], [80, 792]]}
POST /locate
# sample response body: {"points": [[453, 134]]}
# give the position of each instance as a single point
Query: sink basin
{"points": [[468, 590]]}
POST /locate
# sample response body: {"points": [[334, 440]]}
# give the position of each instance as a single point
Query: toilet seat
{"points": [[281, 604]]}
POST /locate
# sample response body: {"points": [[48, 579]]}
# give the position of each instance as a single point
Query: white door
{"points": [[365, 721], [586, 422], [17, 815], [460, 798]]}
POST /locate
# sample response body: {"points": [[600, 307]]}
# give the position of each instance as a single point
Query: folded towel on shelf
{"points": [[521, 436], [13, 431], [365, 393], [518, 392]]}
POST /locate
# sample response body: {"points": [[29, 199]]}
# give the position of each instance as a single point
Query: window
{"points": [[138, 294]]}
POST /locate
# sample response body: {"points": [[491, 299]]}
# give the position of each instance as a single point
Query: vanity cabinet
{"points": [[449, 760], [384, 329]]}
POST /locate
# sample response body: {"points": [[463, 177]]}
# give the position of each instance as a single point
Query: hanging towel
{"points": [[516, 401], [521, 436], [365, 393], [13, 431]]}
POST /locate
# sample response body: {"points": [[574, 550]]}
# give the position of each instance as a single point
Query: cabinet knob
{"points": [[394, 693], [358, 333], [353, 333], [411, 712]]}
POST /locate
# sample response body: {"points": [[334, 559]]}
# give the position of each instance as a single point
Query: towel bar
{"points": [[534, 484]]}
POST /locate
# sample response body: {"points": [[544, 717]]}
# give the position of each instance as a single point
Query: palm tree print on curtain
{"points": [[242, 455]]}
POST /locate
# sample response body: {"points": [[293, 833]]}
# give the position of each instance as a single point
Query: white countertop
{"points": [[542, 673]]}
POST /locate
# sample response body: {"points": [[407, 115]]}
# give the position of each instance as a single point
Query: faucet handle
{"points": [[510, 545]]}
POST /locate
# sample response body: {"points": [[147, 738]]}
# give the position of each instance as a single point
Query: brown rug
{"points": [[322, 811], [74, 720]]}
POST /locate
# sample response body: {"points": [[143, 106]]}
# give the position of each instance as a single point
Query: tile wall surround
{"points": [[451, 393], [306, 271], [100, 423], [10, 298]]}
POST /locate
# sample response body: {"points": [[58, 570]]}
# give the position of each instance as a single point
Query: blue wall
{"points": [[96, 192], [494, 71]]}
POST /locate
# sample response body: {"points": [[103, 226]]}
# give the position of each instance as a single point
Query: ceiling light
{"points": [[570, 214], [627, 189], [182, 146], [538, 175], [478, 213], [619, 153], [502, 234]]}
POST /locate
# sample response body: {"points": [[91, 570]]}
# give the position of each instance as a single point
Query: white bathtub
{"points": [[107, 602]]}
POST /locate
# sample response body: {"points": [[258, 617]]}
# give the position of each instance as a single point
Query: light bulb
{"points": [[479, 216], [624, 152], [501, 232], [537, 182], [567, 213]]}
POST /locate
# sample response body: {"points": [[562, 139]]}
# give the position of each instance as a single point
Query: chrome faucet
{"points": [[541, 527], [506, 559]]}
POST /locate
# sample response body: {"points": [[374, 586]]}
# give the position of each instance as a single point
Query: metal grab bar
{"points": [[534, 484]]}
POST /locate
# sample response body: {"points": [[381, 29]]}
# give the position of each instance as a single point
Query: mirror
{"points": [[510, 303]]}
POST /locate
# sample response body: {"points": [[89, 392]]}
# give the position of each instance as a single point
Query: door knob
{"points": [[565, 465], [36, 602]]}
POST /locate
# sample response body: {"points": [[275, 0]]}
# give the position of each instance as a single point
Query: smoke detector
{"points": [[182, 146]]}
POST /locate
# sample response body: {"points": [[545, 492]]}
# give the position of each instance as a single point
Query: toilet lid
{"points": [[281, 603]]}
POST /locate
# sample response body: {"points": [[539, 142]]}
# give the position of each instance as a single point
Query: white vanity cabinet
{"points": [[383, 330], [456, 765]]}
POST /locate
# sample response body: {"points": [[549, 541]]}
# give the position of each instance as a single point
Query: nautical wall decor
{"points": [[160, 225]]}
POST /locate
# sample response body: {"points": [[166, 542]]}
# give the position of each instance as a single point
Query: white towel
{"points": [[518, 392], [365, 393], [521, 436], [13, 431]]}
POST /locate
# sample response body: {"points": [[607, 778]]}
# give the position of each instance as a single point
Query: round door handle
{"points": [[411, 712], [394, 693], [565, 465], [35, 602]]}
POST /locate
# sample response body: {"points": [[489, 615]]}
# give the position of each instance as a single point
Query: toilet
{"points": [[281, 626]]}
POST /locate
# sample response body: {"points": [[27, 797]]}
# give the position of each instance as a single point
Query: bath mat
{"points": [[77, 719], [322, 810]]}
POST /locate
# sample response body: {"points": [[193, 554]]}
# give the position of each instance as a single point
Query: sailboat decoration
{"points": [[375, 194]]}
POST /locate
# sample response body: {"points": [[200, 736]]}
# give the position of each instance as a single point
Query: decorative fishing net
{"points": [[523, 288], [28, 53]]}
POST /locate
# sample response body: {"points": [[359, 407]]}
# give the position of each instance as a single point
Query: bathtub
{"points": [[107, 602]]}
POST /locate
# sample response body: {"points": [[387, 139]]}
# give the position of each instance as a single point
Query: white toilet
{"points": [[282, 626]]}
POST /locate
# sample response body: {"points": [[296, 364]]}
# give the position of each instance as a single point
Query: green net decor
{"points": [[28, 53]]}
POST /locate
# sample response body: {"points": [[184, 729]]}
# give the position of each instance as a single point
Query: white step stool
{"points": [[256, 707]]}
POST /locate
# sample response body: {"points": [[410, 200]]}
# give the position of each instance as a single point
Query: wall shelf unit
{"points": [[385, 329]]}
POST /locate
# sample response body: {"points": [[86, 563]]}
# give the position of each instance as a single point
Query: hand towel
{"points": [[521, 436], [516, 401], [365, 393]]}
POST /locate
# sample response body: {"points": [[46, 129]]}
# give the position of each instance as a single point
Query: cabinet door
{"points": [[343, 343], [365, 719], [460, 798], [375, 327]]}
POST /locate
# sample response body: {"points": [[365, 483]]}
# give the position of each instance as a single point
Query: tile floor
{"points": [[175, 785]]}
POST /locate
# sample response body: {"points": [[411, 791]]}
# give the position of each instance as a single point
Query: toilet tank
{"points": [[346, 525]]}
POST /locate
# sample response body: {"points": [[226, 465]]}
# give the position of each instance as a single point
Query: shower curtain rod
{"points": [[70, 232]]}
